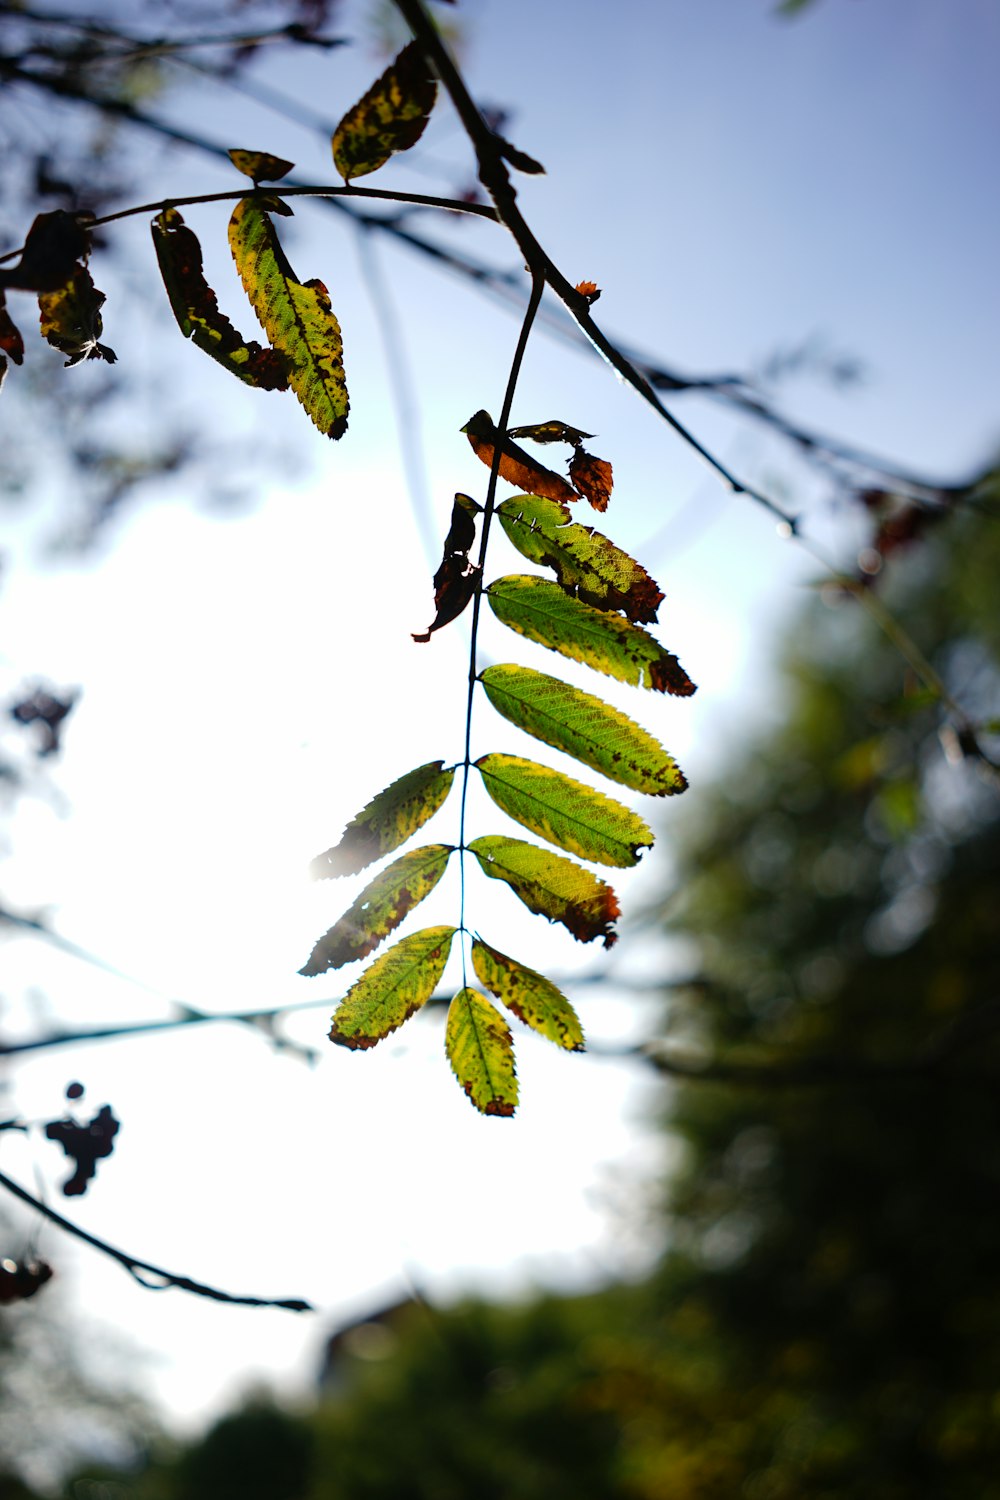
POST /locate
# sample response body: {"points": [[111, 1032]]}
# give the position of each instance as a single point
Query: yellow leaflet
{"points": [[566, 812], [531, 997], [396, 984], [481, 1052], [387, 821], [380, 908], [551, 886]]}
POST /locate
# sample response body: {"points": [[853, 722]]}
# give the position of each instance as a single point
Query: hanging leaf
{"points": [[516, 466], [551, 886], [261, 166], [457, 579], [71, 319], [11, 341], [55, 243], [541, 610], [592, 477], [584, 727], [481, 1052], [387, 821], [566, 812], [531, 997], [379, 909], [391, 117], [462, 531], [295, 315], [196, 309], [586, 563], [396, 984], [550, 432]]}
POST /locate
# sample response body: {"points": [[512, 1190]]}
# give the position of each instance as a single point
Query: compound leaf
{"points": [[70, 319], [380, 908], [586, 563], [545, 613], [194, 305], [584, 727], [531, 997], [551, 886], [397, 983], [296, 315], [391, 117], [565, 812], [481, 1052], [387, 821], [516, 466]]}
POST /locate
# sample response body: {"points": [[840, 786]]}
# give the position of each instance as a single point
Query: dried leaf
{"points": [[545, 613], [590, 290], [455, 583], [516, 466], [296, 315], [396, 984], [462, 531], [531, 997], [391, 117], [387, 821], [55, 243], [565, 812], [11, 341], [550, 432], [194, 305], [261, 166], [592, 477], [586, 563], [71, 319], [379, 909], [481, 1052], [551, 886], [581, 725]]}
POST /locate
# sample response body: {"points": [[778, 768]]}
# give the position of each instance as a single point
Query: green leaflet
{"points": [[531, 997], [584, 727], [566, 812], [396, 984], [586, 563], [387, 821], [551, 886], [295, 315], [547, 614], [194, 305], [380, 908], [481, 1052], [391, 117]]}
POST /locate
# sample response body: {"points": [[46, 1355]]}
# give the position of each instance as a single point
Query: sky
{"points": [[737, 185]]}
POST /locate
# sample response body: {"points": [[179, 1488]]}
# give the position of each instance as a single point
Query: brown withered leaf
{"points": [[592, 478], [462, 532], [588, 289], [54, 244], [550, 432], [454, 585], [260, 166], [11, 341], [516, 466]]}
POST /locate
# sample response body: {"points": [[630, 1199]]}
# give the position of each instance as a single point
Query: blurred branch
{"points": [[140, 1269]]}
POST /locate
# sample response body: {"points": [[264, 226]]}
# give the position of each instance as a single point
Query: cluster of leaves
{"points": [[591, 613], [53, 266]]}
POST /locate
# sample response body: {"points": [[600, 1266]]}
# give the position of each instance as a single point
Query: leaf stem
{"points": [[534, 301]]}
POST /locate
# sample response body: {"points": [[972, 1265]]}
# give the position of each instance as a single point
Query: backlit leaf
{"points": [[592, 477], [566, 812], [194, 305], [261, 166], [550, 432], [387, 821], [380, 908], [295, 315], [586, 563], [391, 117], [584, 727], [551, 886], [543, 612], [71, 319], [11, 341], [55, 243], [397, 983], [481, 1052], [531, 997], [516, 466]]}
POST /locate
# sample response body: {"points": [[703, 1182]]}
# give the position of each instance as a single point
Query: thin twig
{"points": [[139, 1269]]}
